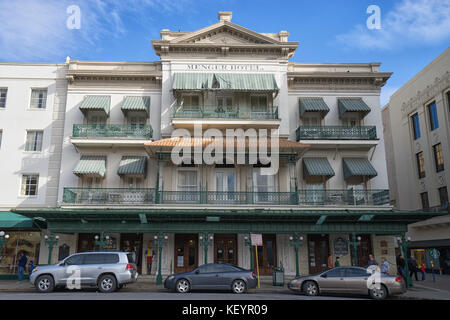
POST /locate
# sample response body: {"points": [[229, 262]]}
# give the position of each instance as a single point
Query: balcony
{"points": [[332, 136], [112, 131], [124, 196], [110, 134], [225, 116]]}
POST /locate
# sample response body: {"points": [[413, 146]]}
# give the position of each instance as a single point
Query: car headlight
{"points": [[170, 277], [295, 281], [34, 270]]}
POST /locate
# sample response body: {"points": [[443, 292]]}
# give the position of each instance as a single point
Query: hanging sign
{"points": [[256, 239]]}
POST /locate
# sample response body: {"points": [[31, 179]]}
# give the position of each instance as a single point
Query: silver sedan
{"points": [[352, 280]]}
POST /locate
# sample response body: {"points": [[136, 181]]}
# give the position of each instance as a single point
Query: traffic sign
{"points": [[256, 239]]}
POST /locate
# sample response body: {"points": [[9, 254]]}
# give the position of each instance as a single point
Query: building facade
{"points": [[124, 120], [416, 131]]}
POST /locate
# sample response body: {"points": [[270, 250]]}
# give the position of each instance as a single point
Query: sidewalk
{"points": [[428, 290]]}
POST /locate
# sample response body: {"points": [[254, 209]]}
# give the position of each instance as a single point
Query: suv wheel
{"points": [[310, 288], [45, 284], [107, 283], [238, 286], [182, 286], [378, 294]]}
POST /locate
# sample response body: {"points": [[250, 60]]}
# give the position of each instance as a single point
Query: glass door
{"points": [[225, 248], [225, 185], [264, 186], [315, 194], [318, 250], [186, 252]]}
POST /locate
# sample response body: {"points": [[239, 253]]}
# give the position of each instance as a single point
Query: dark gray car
{"points": [[108, 271], [352, 280], [214, 276]]}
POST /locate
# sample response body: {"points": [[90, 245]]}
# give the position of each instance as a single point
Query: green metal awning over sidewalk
{"points": [[136, 104], [132, 165], [313, 105], [96, 103], [317, 167], [353, 105], [358, 167], [225, 81], [9, 219], [95, 165]]}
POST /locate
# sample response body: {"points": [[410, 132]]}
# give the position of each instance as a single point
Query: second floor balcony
{"points": [[149, 196], [336, 133]]}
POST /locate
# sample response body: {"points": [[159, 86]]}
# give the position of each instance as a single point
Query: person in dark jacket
{"points": [[21, 265], [372, 261], [412, 265], [401, 266]]}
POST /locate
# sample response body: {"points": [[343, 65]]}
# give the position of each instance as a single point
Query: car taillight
{"points": [[398, 279], [129, 267], [253, 275]]}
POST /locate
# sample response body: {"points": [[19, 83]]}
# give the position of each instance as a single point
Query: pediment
{"points": [[225, 33]]}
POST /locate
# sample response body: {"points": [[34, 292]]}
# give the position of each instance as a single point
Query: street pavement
{"points": [[146, 289]]}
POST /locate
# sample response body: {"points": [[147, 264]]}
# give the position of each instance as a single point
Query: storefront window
{"points": [[26, 242]]}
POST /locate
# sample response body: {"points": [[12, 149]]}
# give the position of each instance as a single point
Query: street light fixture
{"points": [[296, 242], [160, 240], [101, 240], [248, 243], [355, 243], [51, 241], [206, 240], [3, 240]]}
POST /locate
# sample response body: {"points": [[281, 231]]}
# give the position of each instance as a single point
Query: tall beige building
{"points": [[416, 133]]}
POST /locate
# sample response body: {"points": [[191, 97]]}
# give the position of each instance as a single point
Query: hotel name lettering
{"points": [[224, 67]]}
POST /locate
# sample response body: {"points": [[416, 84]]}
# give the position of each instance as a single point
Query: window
{"points": [[356, 272], [432, 113], [448, 100], [424, 199], [34, 141], [416, 126], [336, 273], [38, 98], [259, 105], [91, 182], [438, 157], [101, 258], [29, 184], [420, 165], [3, 98], [224, 104], [443, 195], [96, 118], [134, 182], [192, 101], [1, 136], [74, 260], [187, 181]]}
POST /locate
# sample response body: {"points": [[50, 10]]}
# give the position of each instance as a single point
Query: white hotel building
{"points": [[103, 161]]}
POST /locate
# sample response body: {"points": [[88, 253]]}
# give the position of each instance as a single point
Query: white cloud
{"points": [[35, 30], [409, 23]]}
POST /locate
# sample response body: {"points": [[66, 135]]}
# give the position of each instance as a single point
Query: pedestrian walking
{"points": [[149, 262], [401, 266], [330, 261], [336, 263], [385, 267], [372, 261], [21, 265], [31, 266], [412, 265], [422, 270]]}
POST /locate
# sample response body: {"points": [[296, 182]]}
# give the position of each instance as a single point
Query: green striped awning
{"points": [[9, 219], [96, 103], [246, 82], [358, 167], [192, 81], [136, 104], [133, 165], [352, 105], [317, 167], [313, 105], [95, 165]]}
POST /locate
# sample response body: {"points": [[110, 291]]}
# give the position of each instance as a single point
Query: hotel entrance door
{"points": [[225, 248], [132, 242], [267, 255], [318, 250], [186, 252]]}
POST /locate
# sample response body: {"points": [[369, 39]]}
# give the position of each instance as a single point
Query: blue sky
{"points": [[413, 33]]}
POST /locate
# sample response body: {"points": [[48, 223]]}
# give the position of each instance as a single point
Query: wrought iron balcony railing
{"points": [[112, 131], [225, 112], [124, 196], [344, 197], [336, 133]]}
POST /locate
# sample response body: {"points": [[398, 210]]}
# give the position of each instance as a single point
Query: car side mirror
{"points": [[197, 272], [323, 275]]}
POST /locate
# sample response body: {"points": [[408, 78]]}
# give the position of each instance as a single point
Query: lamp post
{"points": [[296, 241], [248, 243], [100, 241], [403, 244], [356, 241], [160, 241], [3, 240], [206, 240], [51, 241]]}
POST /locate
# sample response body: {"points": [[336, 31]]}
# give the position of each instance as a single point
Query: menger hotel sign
{"points": [[223, 67]]}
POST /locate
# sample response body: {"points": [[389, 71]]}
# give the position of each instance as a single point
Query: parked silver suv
{"points": [[108, 271]]}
